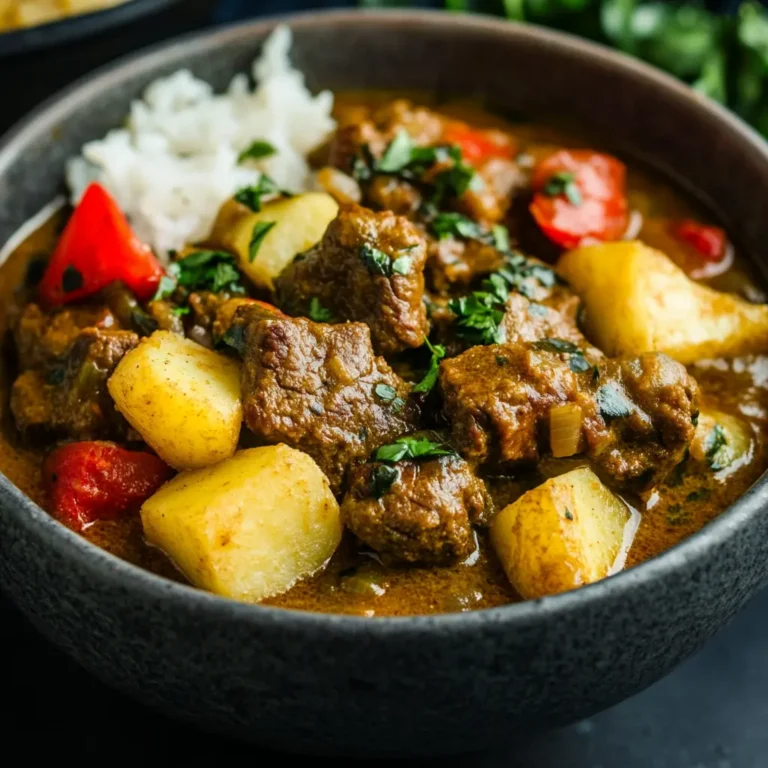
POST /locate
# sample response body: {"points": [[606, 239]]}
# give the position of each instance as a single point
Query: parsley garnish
{"points": [[595, 373], [501, 237], [143, 322], [180, 311], [234, 339], [201, 270], [564, 183], [501, 361], [379, 263], [718, 453], [695, 418], [251, 196], [256, 150], [430, 379], [383, 478], [389, 395], [318, 312], [557, 346], [260, 230], [479, 317], [454, 224], [537, 310], [411, 448], [397, 155], [568, 514], [613, 404], [579, 363], [72, 279]]}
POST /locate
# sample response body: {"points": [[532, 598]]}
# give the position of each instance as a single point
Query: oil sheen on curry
{"points": [[483, 361]]}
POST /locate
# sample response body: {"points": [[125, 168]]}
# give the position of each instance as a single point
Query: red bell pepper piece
{"points": [[93, 481], [709, 242], [580, 195], [477, 146], [97, 248]]}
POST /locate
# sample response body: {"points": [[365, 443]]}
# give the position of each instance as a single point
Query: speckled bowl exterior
{"points": [[425, 685]]}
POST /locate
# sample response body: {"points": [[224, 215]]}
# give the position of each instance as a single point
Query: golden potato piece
{"points": [[566, 532], [637, 300], [249, 527], [299, 223], [183, 399]]}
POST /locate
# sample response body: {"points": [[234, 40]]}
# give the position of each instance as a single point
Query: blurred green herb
{"points": [[724, 56]]}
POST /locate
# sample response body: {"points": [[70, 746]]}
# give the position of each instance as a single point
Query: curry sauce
{"points": [[355, 581]]}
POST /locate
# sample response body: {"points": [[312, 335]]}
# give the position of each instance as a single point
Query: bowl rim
{"points": [[122, 574], [26, 40]]}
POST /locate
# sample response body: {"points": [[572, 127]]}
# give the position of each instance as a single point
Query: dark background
{"points": [[710, 713]]}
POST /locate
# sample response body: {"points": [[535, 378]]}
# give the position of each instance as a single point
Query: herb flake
{"points": [[430, 379], [317, 312], [613, 403], [257, 150], [563, 183], [411, 448], [383, 478], [260, 231]]}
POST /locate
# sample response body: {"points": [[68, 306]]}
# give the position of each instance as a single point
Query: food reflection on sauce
{"points": [[356, 581]]}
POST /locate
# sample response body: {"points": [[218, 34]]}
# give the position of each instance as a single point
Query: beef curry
{"points": [[480, 363]]}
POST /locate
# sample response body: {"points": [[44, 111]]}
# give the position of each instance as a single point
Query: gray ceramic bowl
{"points": [[317, 683]]}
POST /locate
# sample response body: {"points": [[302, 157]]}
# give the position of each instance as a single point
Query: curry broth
{"points": [[354, 581]]}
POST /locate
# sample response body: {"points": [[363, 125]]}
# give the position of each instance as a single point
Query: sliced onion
{"points": [[342, 188], [565, 429]]}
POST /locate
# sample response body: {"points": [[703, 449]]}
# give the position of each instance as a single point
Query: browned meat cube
{"points": [[320, 388], [417, 511], [44, 339], [71, 399], [636, 414], [369, 267]]}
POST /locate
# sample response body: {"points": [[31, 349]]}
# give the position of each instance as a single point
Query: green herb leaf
{"points": [[501, 238], [256, 150], [233, 339], [168, 283], [385, 392], [180, 311], [613, 404], [411, 448], [377, 262], [557, 346], [716, 449], [430, 379], [397, 155], [479, 317], [701, 494], [455, 225], [383, 478], [251, 196], [402, 265], [579, 364], [205, 271], [260, 230], [143, 322], [537, 310], [563, 183], [317, 312]]}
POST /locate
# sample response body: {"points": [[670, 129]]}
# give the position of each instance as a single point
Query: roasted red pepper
{"points": [[708, 242], [97, 248], [93, 481], [580, 196], [477, 146]]}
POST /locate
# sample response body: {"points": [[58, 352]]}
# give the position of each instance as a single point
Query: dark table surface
{"points": [[710, 713]]}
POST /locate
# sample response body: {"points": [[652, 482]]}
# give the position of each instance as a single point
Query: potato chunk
{"points": [[299, 223], [566, 532], [183, 399], [637, 300], [251, 526]]}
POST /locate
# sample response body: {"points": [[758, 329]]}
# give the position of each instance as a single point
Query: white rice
{"points": [[175, 162]]}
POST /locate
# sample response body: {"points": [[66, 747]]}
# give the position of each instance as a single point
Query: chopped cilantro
{"points": [[501, 361], [501, 237], [260, 230], [166, 286], [180, 311], [389, 395], [318, 312], [717, 451], [430, 379], [613, 403], [256, 150], [564, 183], [233, 339], [402, 265], [579, 364], [568, 514], [143, 322], [557, 346], [201, 271], [397, 155], [383, 478], [454, 224], [479, 317], [379, 263], [411, 448], [251, 196]]}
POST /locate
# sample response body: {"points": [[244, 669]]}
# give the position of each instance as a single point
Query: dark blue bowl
{"points": [[401, 686]]}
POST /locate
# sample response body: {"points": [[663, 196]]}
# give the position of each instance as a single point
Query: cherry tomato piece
{"points": [[477, 146], [91, 481], [579, 197], [708, 241]]}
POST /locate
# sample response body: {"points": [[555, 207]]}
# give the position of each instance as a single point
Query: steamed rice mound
{"points": [[176, 161]]}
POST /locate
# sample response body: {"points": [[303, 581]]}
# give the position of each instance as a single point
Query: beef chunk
{"points": [[636, 412], [424, 516], [368, 267], [452, 262], [72, 400], [525, 320], [320, 388], [364, 135], [44, 340]]}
